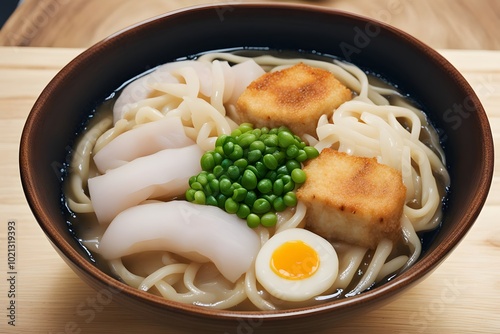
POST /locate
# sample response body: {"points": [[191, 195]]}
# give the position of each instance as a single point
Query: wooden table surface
{"points": [[461, 296], [446, 24]]}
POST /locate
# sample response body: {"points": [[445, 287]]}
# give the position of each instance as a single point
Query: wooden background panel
{"points": [[449, 24]]}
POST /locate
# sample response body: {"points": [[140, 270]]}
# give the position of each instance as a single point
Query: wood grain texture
{"points": [[450, 24], [461, 296]]}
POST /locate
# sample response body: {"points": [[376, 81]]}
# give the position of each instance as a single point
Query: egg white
{"points": [[297, 290]]}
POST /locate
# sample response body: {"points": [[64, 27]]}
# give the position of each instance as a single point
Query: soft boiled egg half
{"points": [[296, 265]]}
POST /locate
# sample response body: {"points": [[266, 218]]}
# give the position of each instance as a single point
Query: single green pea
{"points": [[261, 206], [199, 197], [221, 200], [252, 168], [301, 156], [292, 164], [270, 161], [241, 164], [271, 175], [257, 145], [265, 186], [221, 140], [229, 139], [214, 185], [253, 220], [301, 145], [284, 128], [286, 178], [228, 148], [237, 153], [207, 190], [261, 169], [269, 197], [233, 172], [236, 132], [192, 180], [211, 200], [226, 188], [257, 132], [298, 176], [311, 152], [271, 140], [285, 139], [249, 179], [226, 163], [202, 179], [243, 211], [268, 219], [278, 187], [282, 171], [217, 158], [290, 199], [196, 186], [246, 139], [270, 150], [280, 156], [289, 186], [250, 198], [219, 150], [245, 127], [231, 206], [190, 194], [218, 171], [279, 204], [254, 156], [292, 151], [239, 194], [207, 162]]}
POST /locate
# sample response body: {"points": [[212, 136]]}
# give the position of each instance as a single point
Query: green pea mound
{"points": [[252, 173]]}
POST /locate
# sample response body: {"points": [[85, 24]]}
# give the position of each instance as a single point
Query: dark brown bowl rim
{"points": [[406, 279]]}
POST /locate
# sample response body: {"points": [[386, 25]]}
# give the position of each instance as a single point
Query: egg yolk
{"points": [[294, 260]]}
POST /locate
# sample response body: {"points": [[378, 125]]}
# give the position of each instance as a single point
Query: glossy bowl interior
{"points": [[417, 69]]}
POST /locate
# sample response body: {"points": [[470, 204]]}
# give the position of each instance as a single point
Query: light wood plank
{"points": [[461, 296]]}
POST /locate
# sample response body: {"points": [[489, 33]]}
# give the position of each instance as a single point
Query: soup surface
{"points": [[256, 180]]}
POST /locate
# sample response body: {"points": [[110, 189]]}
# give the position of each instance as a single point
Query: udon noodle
{"points": [[378, 122]]}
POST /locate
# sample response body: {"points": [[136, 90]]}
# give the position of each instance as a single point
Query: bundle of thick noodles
{"points": [[378, 180]]}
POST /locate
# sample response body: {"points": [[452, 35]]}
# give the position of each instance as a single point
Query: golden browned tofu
{"points": [[352, 199], [295, 97]]}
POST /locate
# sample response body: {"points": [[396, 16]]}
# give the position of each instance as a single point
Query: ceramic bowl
{"points": [[417, 69]]}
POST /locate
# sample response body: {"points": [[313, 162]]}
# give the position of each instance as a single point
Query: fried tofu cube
{"points": [[295, 97], [352, 199]]}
